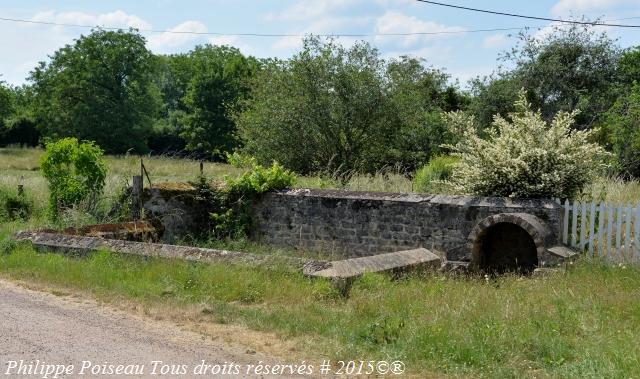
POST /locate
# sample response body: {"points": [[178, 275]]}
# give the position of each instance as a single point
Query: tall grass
{"points": [[584, 323]]}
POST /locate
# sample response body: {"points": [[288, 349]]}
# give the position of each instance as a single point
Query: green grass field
{"points": [[584, 323]]}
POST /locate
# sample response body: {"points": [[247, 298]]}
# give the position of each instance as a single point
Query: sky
{"points": [[462, 54]]}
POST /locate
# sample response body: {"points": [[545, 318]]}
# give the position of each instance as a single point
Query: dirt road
{"points": [[44, 331]]}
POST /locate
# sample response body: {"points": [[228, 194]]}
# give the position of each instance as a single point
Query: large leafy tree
{"points": [[493, 95], [418, 95], [99, 88], [571, 68], [219, 81], [173, 78], [17, 120], [620, 127], [568, 68], [336, 109], [629, 65], [6, 104], [324, 109]]}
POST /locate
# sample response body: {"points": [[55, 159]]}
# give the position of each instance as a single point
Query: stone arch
{"points": [[508, 242]]}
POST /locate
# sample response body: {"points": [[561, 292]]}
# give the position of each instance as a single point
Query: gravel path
{"points": [[42, 329]]}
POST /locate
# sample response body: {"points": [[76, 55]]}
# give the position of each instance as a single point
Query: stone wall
{"points": [[351, 224]]}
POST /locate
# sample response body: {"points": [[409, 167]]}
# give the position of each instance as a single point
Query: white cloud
{"points": [[24, 45], [114, 19], [19, 58], [568, 7], [305, 10], [163, 42], [397, 22], [495, 41], [395, 3], [224, 40], [327, 25]]}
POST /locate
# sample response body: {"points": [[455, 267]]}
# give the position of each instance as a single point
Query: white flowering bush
{"points": [[524, 157]]}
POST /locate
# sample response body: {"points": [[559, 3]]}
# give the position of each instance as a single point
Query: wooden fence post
{"points": [[136, 197]]}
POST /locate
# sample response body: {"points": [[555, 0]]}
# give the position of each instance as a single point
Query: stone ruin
{"points": [[360, 231], [491, 234]]}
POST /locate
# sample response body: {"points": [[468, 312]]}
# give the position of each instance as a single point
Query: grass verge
{"points": [[583, 323]]}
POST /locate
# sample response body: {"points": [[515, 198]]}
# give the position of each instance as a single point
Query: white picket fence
{"points": [[611, 231]]}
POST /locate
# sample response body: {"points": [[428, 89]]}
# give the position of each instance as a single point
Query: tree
{"points": [[20, 124], [324, 109], [100, 89], [629, 65], [338, 110], [174, 74], [6, 102], [572, 67], [6, 109], [621, 128], [492, 95], [524, 157], [418, 95], [219, 81]]}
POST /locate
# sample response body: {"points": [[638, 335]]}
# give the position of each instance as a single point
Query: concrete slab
{"points": [[351, 268], [81, 245], [564, 252]]}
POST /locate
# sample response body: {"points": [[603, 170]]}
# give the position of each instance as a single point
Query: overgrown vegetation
{"points": [[231, 201], [14, 205], [75, 172]]}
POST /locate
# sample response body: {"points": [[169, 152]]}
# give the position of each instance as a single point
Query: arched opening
{"points": [[507, 247]]}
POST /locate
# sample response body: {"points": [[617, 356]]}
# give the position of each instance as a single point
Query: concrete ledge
{"points": [[351, 268], [80, 245]]}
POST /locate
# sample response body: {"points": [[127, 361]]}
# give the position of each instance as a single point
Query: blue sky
{"points": [[463, 55]]}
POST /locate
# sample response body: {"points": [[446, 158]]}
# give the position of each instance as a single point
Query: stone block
{"points": [[400, 260]]}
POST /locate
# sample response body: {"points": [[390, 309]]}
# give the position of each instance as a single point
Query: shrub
{"points": [[233, 202], [432, 177], [75, 172], [14, 206], [525, 157]]}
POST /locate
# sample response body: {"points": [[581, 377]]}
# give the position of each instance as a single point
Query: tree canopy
{"points": [[334, 109], [99, 89], [328, 108]]}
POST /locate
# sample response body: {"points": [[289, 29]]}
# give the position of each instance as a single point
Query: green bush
{"points": [[432, 176], [75, 172], [525, 157], [233, 202], [14, 206]]}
